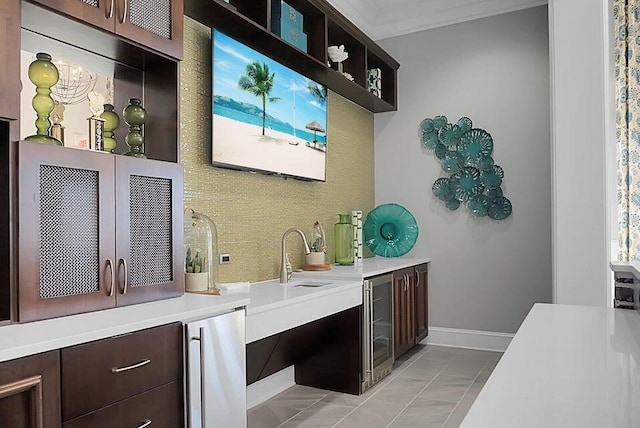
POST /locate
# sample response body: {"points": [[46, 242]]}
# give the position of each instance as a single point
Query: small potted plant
{"points": [[318, 246], [196, 277]]}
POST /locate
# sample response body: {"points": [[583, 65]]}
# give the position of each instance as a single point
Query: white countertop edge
{"points": [[315, 293], [20, 340], [267, 323], [626, 267], [368, 268]]}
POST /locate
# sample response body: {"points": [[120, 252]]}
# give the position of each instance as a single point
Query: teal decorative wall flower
{"points": [[466, 153]]}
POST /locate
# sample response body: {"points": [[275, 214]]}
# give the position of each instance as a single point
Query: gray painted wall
{"points": [[485, 274]]}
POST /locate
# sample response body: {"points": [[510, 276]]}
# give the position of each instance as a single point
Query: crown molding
{"points": [[359, 12], [381, 19]]}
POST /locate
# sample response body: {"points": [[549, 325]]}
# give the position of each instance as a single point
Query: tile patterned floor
{"points": [[431, 386]]}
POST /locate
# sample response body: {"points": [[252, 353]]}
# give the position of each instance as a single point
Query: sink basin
{"points": [[308, 283]]}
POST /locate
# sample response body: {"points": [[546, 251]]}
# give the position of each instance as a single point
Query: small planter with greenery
{"points": [[318, 246], [197, 274]]}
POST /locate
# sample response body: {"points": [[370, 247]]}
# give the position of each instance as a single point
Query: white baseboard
{"points": [[264, 389], [472, 339]]}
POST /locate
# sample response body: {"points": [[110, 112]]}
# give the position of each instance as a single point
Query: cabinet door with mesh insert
{"points": [[66, 242], [100, 13], [149, 230], [153, 23]]}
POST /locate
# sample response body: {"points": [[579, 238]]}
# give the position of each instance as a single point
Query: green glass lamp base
{"points": [[109, 145], [136, 155], [44, 139]]}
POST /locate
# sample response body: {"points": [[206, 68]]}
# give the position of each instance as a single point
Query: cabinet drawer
{"points": [[30, 391], [100, 373], [162, 406]]}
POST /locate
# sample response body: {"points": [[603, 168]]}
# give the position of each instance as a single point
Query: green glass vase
{"points": [[43, 74], [343, 236], [135, 116], [111, 122]]}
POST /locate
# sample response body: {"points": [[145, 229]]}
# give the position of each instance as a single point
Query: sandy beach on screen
{"points": [[239, 143]]}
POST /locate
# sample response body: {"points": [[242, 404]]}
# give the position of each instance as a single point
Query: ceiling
{"points": [[381, 19]]}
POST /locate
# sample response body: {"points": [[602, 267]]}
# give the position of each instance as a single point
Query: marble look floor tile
{"points": [[475, 353], [433, 386], [469, 368], [424, 368], [434, 351], [321, 414], [399, 390], [414, 417], [458, 414], [347, 399], [284, 406], [264, 416], [445, 382], [371, 415]]}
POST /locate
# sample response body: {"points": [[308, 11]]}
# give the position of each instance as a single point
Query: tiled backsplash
{"points": [[252, 211]]}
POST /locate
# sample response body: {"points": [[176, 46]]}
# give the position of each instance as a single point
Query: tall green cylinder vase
{"points": [[343, 237], [44, 74]]}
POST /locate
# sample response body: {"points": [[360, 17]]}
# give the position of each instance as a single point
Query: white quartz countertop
{"points": [[276, 307], [567, 366], [19, 340], [368, 268]]}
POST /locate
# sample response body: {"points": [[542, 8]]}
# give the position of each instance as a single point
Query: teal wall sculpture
{"points": [[466, 154]]}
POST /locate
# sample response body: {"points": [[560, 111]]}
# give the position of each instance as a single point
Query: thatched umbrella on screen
{"points": [[315, 127]]}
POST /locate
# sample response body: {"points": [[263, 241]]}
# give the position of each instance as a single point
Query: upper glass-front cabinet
{"points": [[156, 24]]}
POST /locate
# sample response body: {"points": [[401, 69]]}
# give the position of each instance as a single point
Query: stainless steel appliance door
{"points": [[377, 330], [367, 333], [381, 323], [216, 365]]}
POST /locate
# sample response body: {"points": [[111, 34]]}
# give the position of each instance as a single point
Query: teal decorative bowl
{"points": [[390, 230]]}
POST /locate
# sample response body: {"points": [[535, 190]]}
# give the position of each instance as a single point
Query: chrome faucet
{"points": [[284, 277]]}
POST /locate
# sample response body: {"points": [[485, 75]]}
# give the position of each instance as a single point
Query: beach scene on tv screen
{"points": [[266, 117]]}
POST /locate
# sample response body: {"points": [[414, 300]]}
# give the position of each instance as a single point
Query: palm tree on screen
{"points": [[259, 82], [319, 92]]}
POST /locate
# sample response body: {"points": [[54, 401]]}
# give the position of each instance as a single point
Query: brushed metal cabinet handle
{"points": [[124, 11], [366, 328], [131, 367], [417, 278], [371, 362], [111, 6], [125, 282], [203, 376], [144, 424], [112, 279]]}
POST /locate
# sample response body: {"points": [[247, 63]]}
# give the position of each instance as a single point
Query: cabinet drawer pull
{"points": [[112, 279], [144, 424], [417, 279], [131, 367]]}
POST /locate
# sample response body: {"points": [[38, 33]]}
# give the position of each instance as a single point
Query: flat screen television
{"points": [[266, 117]]}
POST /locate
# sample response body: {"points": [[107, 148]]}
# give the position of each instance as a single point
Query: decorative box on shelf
{"points": [[288, 23], [374, 82], [295, 37], [285, 15]]}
